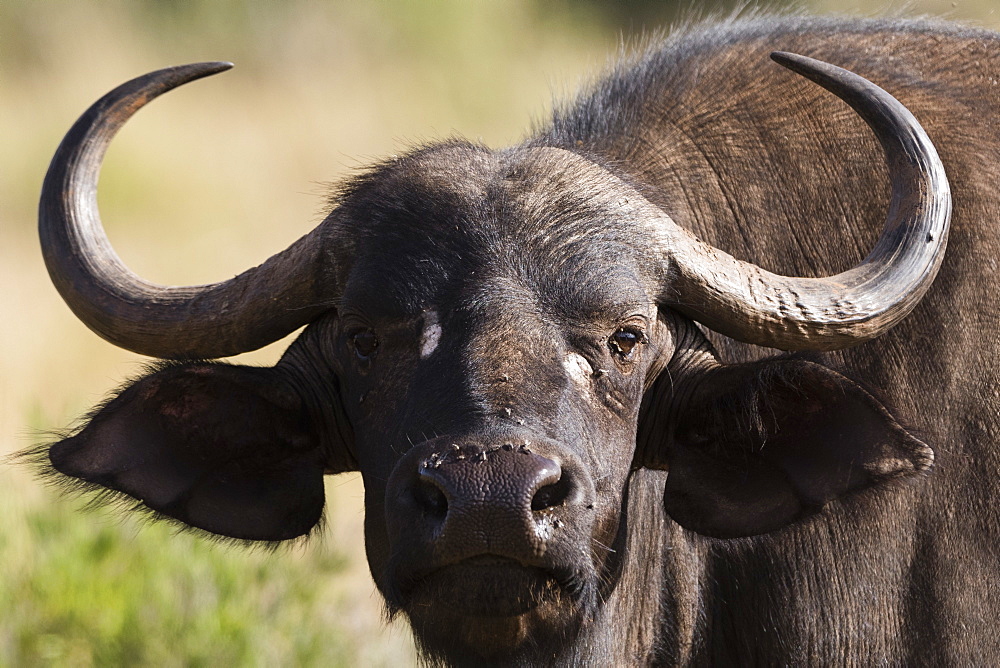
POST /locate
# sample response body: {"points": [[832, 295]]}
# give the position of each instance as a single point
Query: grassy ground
{"points": [[90, 589], [203, 184]]}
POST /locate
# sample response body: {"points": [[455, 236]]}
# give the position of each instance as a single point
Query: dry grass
{"points": [[203, 184]]}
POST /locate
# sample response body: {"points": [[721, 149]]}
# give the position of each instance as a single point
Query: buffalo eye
{"points": [[625, 340], [365, 344]]}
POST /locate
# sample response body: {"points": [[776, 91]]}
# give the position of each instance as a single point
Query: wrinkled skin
{"points": [[561, 469]]}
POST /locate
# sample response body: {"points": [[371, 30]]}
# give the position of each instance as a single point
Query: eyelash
{"points": [[625, 340], [365, 344]]}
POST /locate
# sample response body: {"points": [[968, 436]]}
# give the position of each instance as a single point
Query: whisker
{"points": [[602, 545]]}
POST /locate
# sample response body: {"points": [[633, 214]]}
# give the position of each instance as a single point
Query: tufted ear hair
{"points": [[223, 448], [751, 448]]}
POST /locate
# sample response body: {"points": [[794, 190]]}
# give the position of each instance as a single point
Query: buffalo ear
{"points": [[758, 446], [227, 449]]}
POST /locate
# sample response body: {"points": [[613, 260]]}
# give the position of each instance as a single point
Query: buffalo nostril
{"points": [[552, 495], [430, 498]]}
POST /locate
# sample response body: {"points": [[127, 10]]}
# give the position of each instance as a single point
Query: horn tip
{"points": [[199, 70], [216, 66]]}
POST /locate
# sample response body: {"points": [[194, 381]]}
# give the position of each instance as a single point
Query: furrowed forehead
{"points": [[446, 222], [587, 289]]}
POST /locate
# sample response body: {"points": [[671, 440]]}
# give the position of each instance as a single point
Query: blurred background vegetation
{"points": [[198, 187]]}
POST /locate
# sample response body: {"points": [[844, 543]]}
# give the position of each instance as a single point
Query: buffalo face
{"points": [[494, 400]]}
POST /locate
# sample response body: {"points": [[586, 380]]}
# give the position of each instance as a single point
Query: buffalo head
{"points": [[498, 341]]}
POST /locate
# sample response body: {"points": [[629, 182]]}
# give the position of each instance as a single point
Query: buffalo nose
{"points": [[491, 481], [448, 500]]}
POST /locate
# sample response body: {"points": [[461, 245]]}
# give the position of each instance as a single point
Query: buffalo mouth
{"points": [[490, 586], [491, 608]]}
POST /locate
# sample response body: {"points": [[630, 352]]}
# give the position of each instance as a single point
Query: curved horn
{"points": [[747, 303], [244, 313]]}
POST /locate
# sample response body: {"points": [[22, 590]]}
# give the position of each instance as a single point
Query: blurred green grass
{"points": [[96, 593], [209, 181]]}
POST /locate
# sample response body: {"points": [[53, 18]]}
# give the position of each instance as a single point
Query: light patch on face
{"points": [[578, 368], [431, 335]]}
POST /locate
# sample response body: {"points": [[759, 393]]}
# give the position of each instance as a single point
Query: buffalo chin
{"points": [[490, 609]]}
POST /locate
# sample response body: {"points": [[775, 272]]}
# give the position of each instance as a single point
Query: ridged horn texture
{"points": [[747, 303], [203, 321]]}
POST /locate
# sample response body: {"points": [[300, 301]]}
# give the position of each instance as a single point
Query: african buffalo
{"points": [[554, 363]]}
